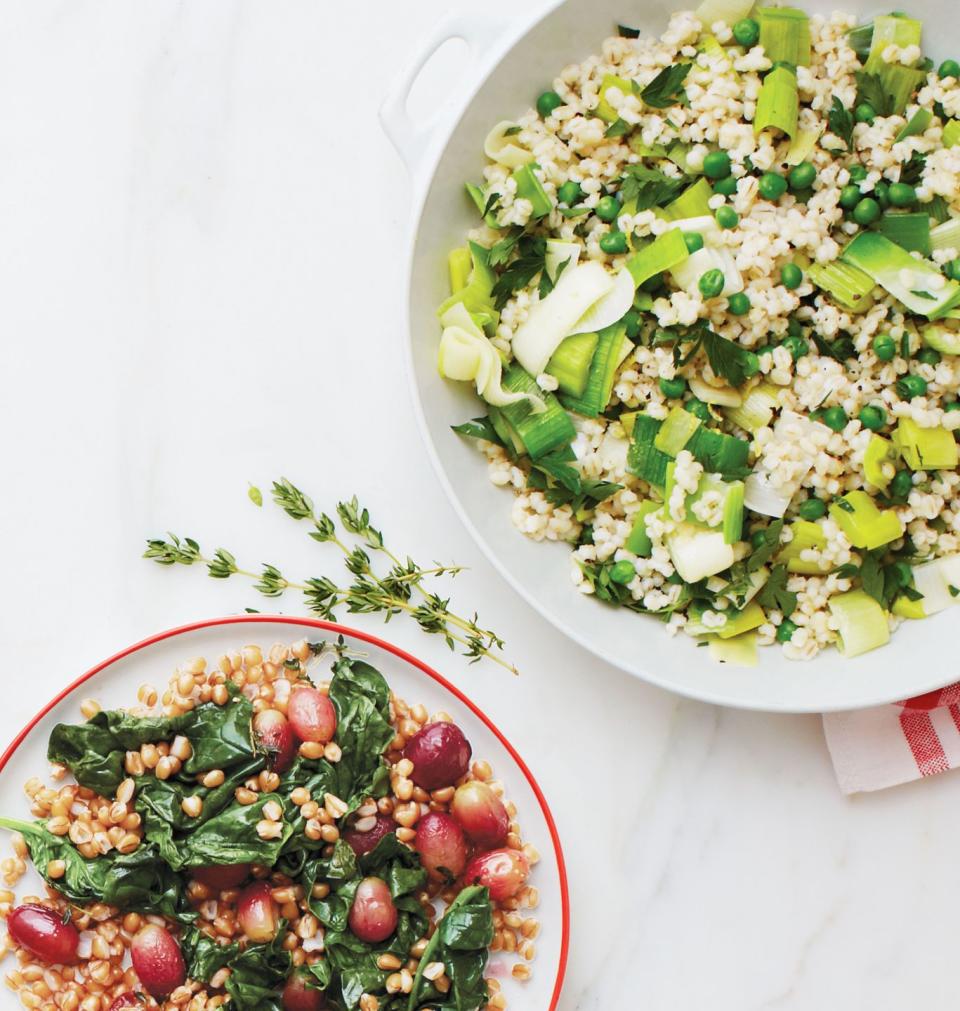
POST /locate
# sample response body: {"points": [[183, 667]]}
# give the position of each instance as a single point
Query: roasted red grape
{"points": [[157, 961], [440, 755], [311, 714], [481, 814], [128, 1001], [275, 736], [373, 916], [222, 877], [298, 996], [502, 871], [442, 848], [364, 842], [257, 912], [42, 931]]}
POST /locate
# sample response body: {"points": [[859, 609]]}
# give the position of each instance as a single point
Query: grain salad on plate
{"points": [[279, 831], [711, 304]]}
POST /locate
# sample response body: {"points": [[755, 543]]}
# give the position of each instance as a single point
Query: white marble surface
{"points": [[200, 225]]}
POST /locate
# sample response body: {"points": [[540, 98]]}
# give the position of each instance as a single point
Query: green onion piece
{"points": [[477, 292], [861, 622], [612, 348], [806, 535], [779, 103], [901, 84], [891, 29], [946, 235], [738, 622], [728, 11], [756, 411], [879, 462], [918, 123], [951, 133], [570, 364], [666, 251], [925, 448], [604, 109], [865, 525], [892, 267], [539, 433], [941, 339], [740, 651], [677, 430], [638, 542], [802, 145], [644, 460], [785, 35], [848, 286], [911, 231], [693, 202], [460, 262], [530, 188]]}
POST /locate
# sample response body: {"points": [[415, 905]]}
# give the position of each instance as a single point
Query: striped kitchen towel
{"points": [[887, 745]]}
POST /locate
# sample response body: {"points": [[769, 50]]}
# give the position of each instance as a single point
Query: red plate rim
{"points": [[373, 640]]}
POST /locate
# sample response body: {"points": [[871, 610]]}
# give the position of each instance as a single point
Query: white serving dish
{"points": [[509, 65]]}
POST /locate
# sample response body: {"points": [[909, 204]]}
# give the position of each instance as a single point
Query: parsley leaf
{"points": [[872, 577], [841, 122], [650, 187], [840, 350], [530, 260], [727, 359], [478, 428], [619, 128], [911, 172], [666, 88], [501, 250], [774, 593], [870, 89], [764, 552], [561, 483]]}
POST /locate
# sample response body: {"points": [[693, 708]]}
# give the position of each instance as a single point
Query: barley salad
{"points": [[278, 830], [711, 304]]}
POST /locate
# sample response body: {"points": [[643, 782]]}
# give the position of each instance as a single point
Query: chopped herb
{"points": [[628, 33], [911, 172], [842, 503], [872, 577], [529, 261], [619, 128], [952, 590], [924, 294], [479, 428], [870, 90], [512, 131], [841, 122], [764, 552], [650, 187], [573, 212], [666, 88], [774, 592], [728, 360], [841, 349], [905, 346]]}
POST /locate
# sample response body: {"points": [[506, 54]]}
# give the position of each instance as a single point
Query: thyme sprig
{"points": [[401, 590]]}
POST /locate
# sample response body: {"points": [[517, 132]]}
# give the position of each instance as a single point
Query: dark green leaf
{"points": [[650, 187], [529, 261], [870, 90], [774, 593], [841, 122], [478, 428], [666, 88]]}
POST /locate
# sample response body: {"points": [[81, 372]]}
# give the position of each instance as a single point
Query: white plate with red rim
{"points": [[114, 683]]}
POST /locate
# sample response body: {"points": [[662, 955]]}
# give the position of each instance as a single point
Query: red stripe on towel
{"points": [[922, 738]]}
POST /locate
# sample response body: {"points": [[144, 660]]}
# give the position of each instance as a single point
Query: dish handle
{"points": [[412, 138]]}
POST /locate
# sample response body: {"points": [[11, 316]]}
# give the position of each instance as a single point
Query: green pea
{"points": [[785, 630], [902, 484], [694, 241], [802, 176], [623, 572], [812, 509], [772, 186], [673, 389], [739, 303], [866, 212], [608, 208], [865, 113], [711, 283], [911, 386], [747, 33], [949, 68], [727, 217], [850, 196], [750, 364], [758, 538], [725, 187], [902, 195], [569, 193], [698, 409], [797, 347], [857, 173], [548, 102], [613, 242], [716, 165], [632, 322], [652, 284], [872, 417], [835, 418], [882, 192], [791, 276], [929, 356], [884, 347], [952, 269], [954, 405]]}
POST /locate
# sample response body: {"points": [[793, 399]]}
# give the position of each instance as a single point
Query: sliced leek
{"points": [[778, 105], [741, 651], [501, 147], [925, 448], [865, 525], [666, 252], [757, 408], [848, 286], [611, 308], [805, 536], [861, 622], [785, 35]]}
